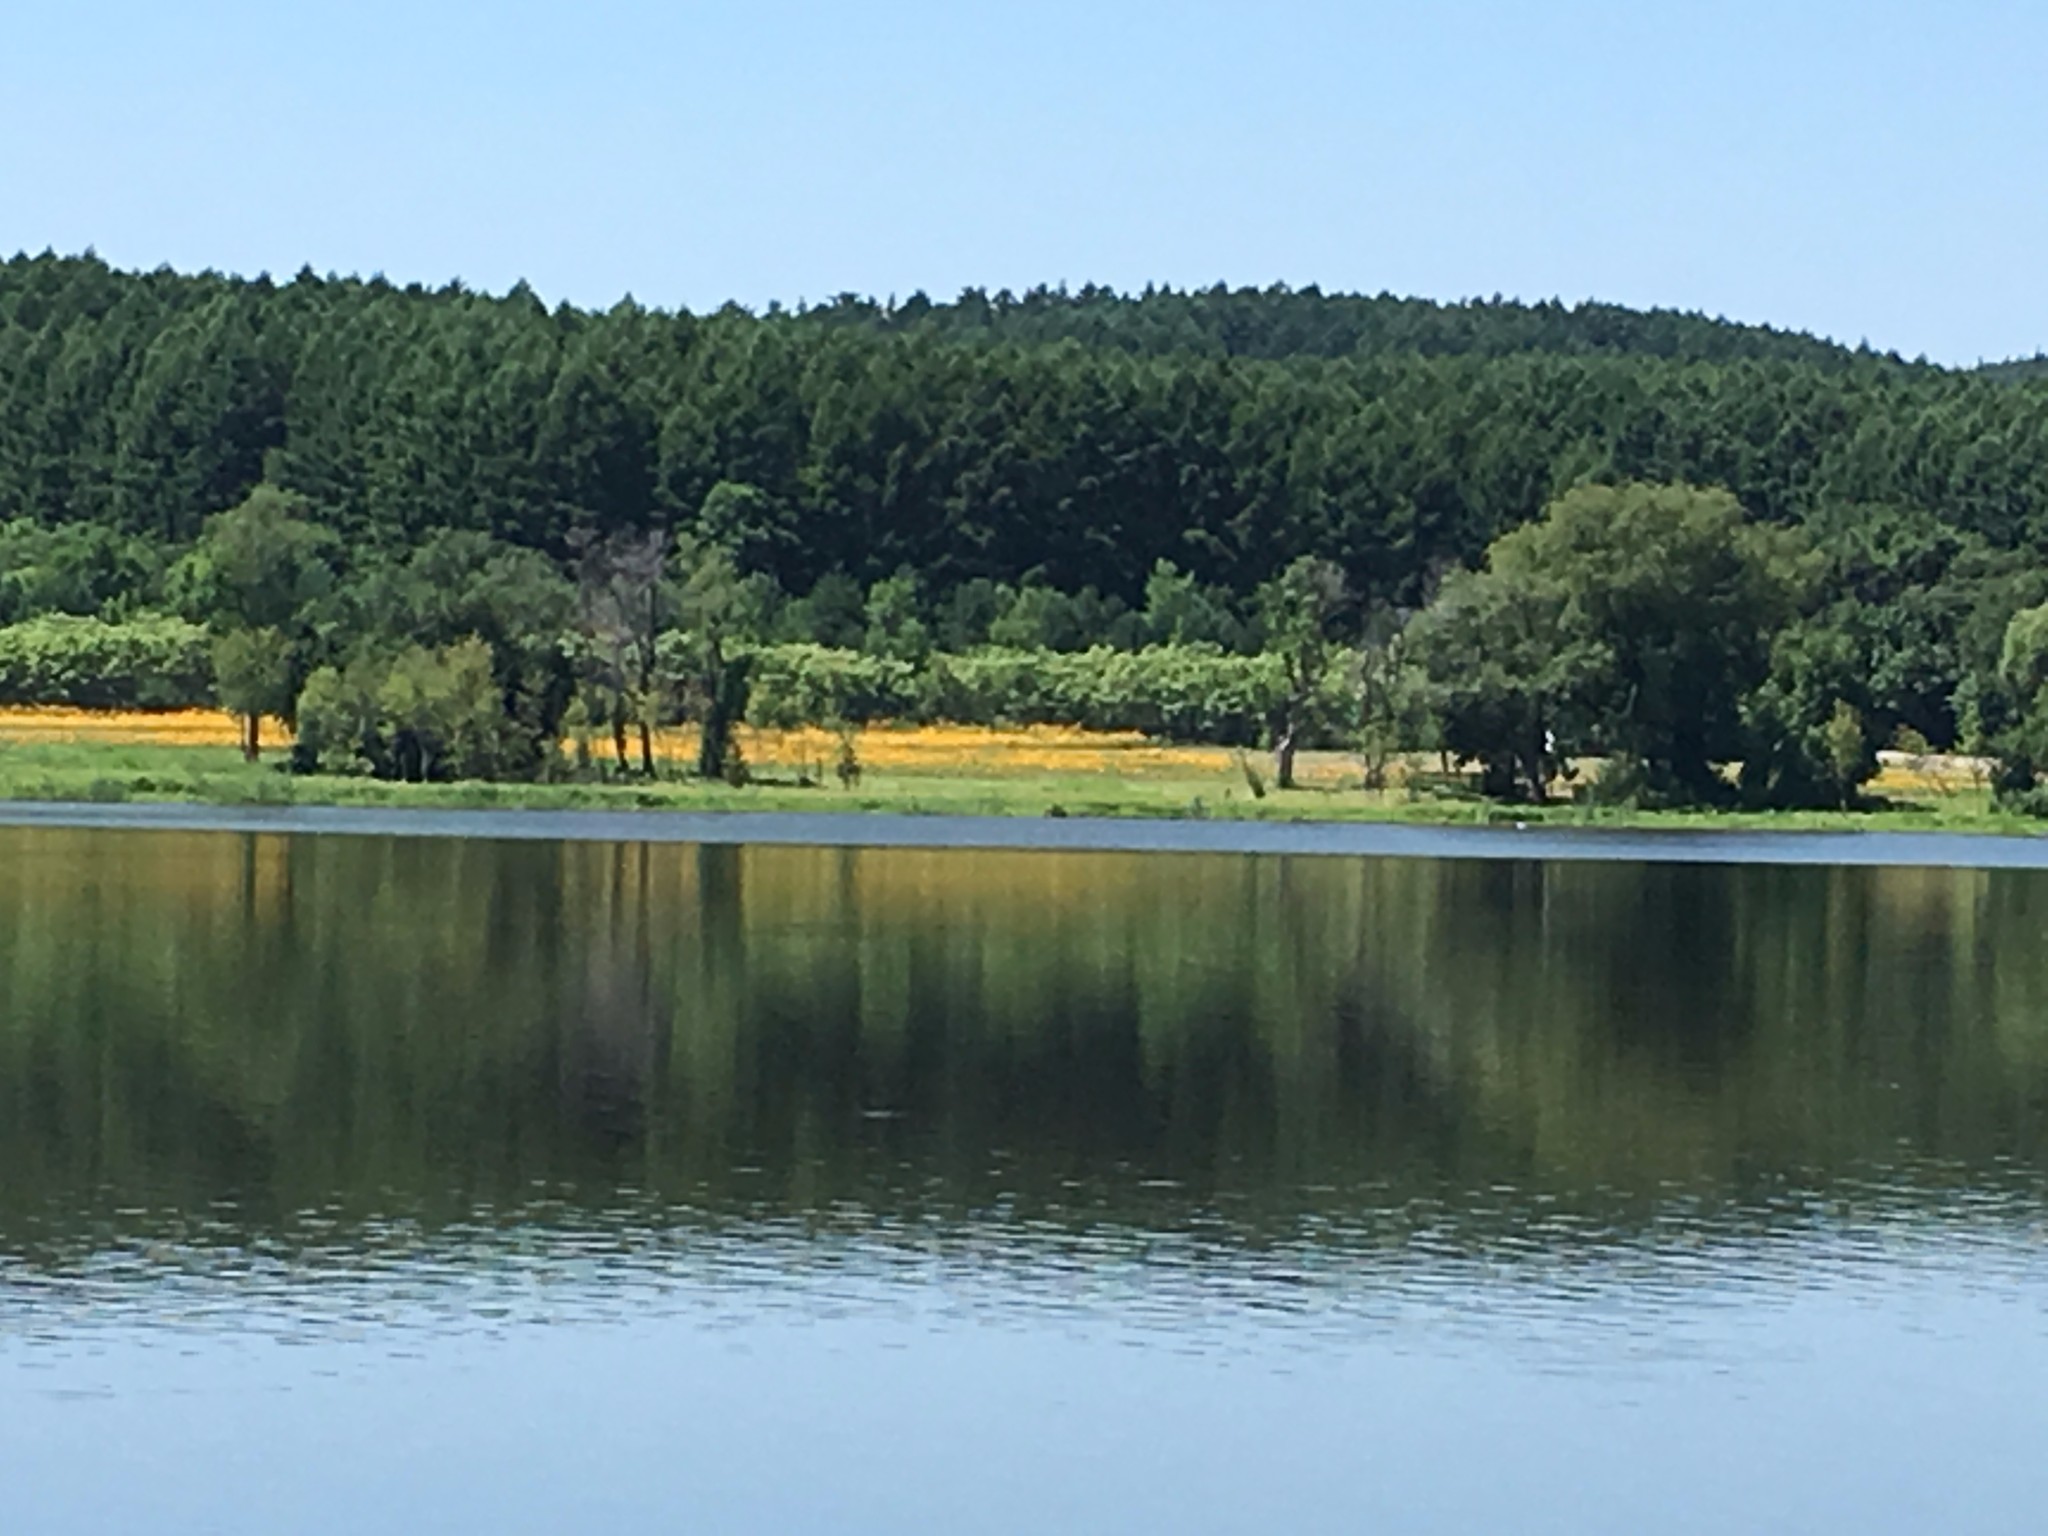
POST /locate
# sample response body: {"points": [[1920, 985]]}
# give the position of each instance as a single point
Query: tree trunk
{"points": [[619, 739], [252, 737], [646, 648], [1539, 769], [722, 685], [1283, 761], [711, 745]]}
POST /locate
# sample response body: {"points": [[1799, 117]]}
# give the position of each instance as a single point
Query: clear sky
{"points": [[1867, 169]]}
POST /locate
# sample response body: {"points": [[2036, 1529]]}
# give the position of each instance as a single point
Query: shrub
{"points": [[148, 662], [796, 685], [337, 713], [419, 715]]}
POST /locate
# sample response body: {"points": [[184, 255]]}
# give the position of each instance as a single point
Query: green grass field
{"points": [[107, 773]]}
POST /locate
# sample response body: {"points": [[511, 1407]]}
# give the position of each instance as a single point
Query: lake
{"points": [[375, 1183]]}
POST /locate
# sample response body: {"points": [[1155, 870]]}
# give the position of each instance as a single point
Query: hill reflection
{"points": [[240, 1038]]}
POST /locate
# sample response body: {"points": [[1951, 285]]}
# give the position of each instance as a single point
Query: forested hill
{"points": [[1070, 441], [1279, 323], [2019, 369]]}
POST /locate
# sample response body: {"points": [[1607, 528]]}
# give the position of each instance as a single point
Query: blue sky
{"points": [[1869, 171]]}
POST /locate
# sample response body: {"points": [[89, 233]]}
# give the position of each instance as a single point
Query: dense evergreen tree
{"points": [[1068, 440]]}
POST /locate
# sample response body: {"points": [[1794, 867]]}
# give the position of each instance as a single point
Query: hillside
{"points": [[1074, 439], [1278, 323]]}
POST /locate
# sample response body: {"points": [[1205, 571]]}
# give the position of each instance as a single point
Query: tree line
{"points": [[1704, 656], [1471, 526]]}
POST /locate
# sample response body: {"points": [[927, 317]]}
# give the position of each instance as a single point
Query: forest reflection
{"points": [[271, 1025]]}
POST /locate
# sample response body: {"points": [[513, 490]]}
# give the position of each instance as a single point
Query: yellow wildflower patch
{"points": [[937, 750], [132, 728], [1904, 774], [983, 751]]}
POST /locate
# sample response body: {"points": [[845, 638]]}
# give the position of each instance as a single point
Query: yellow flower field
{"points": [[929, 750], [132, 728], [974, 751], [988, 752], [1905, 775]]}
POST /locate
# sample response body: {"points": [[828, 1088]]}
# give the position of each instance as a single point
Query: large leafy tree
{"points": [[1684, 593], [260, 564], [1512, 675], [254, 578], [2015, 705], [1635, 620]]}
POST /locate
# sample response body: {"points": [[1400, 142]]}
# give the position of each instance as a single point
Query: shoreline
{"points": [[1534, 841]]}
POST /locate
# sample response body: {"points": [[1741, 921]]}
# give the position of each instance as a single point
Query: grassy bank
{"points": [[75, 756]]}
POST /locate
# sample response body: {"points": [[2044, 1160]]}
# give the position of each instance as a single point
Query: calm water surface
{"points": [[373, 1184]]}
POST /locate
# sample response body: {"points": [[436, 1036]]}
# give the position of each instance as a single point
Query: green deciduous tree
{"points": [[419, 715], [459, 584], [76, 568], [1810, 743], [1686, 593], [254, 576], [259, 565], [1180, 610], [705, 656], [2020, 739], [1393, 702], [833, 613], [896, 624], [1512, 675], [1299, 609], [252, 672], [1643, 616]]}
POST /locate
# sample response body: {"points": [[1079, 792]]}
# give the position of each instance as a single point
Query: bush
{"points": [[337, 713], [150, 662], [420, 715], [796, 685]]}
